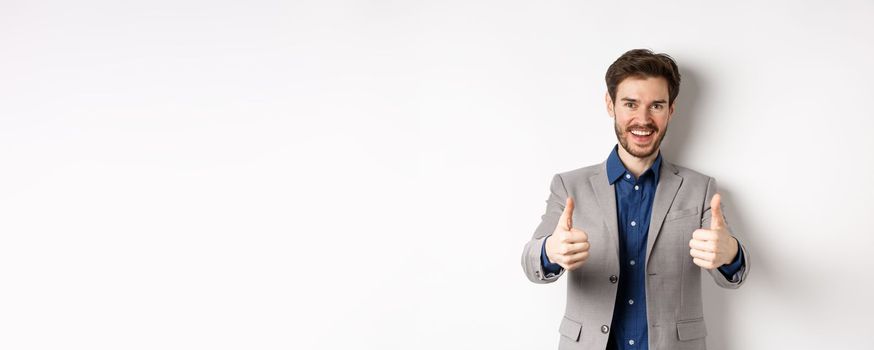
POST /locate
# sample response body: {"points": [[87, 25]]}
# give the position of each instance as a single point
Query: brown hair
{"points": [[644, 63]]}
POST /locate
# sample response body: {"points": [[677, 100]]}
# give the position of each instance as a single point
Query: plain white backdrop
{"points": [[364, 175]]}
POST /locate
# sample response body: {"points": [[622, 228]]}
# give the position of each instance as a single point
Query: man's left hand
{"points": [[714, 247]]}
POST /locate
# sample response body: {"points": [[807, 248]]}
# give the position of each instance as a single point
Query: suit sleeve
{"points": [[531, 255], [740, 275]]}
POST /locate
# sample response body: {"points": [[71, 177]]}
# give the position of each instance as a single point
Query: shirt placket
{"points": [[632, 338]]}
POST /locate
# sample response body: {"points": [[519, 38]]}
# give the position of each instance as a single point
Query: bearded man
{"points": [[633, 232]]}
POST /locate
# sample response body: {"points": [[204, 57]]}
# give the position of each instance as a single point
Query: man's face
{"points": [[641, 114]]}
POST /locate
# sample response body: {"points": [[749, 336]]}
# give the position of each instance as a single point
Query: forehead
{"points": [[643, 88]]}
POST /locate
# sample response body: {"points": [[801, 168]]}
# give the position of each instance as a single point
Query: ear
{"points": [[671, 111], [609, 102]]}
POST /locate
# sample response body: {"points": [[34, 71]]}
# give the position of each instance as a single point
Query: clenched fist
{"points": [[567, 246], [714, 247]]}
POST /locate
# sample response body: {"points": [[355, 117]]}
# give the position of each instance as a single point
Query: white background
{"points": [[364, 175]]}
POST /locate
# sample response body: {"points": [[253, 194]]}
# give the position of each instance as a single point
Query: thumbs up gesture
{"points": [[567, 246], [714, 247]]}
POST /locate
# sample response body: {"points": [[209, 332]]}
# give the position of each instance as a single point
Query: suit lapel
{"points": [[607, 202], [666, 191]]}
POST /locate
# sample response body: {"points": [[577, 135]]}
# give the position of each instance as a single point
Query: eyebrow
{"points": [[635, 101]]}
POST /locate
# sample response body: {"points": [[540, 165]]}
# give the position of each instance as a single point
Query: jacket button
{"points": [[605, 329], [613, 279]]}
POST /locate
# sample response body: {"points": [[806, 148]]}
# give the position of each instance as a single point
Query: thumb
{"points": [[717, 221], [566, 221]]}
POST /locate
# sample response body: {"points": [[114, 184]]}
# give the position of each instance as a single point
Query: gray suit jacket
{"points": [[673, 283]]}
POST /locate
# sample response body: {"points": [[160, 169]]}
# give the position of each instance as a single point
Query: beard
{"points": [[634, 150]]}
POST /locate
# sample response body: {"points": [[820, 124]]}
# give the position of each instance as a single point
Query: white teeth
{"points": [[641, 132]]}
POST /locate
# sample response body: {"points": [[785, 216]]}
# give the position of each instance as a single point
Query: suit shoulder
{"points": [[692, 174], [581, 173]]}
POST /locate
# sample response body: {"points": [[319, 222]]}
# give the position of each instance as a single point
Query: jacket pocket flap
{"points": [[681, 213], [570, 328], [692, 329]]}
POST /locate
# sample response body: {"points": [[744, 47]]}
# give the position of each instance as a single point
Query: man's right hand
{"points": [[567, 246]]}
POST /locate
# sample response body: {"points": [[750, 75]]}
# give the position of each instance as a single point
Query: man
{"points": [[633, 232]]}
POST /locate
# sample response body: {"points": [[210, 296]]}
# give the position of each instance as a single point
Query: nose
{"points": [[644, 115]]}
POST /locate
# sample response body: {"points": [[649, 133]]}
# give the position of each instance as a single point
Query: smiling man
{"points": [[634, 232]]}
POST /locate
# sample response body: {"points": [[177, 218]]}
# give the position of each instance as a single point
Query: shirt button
{"points": [[636, 187], [630, 301], [605, 329], [632, 262], [613, 279], [627, 176], [633, 223], [631, 342]]}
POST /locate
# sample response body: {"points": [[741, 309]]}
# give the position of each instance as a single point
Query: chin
{"points": [[640, 151]]}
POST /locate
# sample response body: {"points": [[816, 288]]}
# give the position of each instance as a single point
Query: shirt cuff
{"points": [[548, 266], [732, 268]]}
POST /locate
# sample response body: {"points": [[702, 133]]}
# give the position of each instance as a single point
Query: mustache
{"points": [[644, 127]]}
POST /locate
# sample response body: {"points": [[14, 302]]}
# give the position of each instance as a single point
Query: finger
{"points": [[566, 221], [567, 259], [704, 264], [706, 246], [576, 235], [700, 254], [578, 257], [704, 235], [574, 248], [717, 221], [576, 265]]}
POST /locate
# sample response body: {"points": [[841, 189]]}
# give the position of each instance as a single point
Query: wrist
{"points": [[734, 251], [546, 249]]}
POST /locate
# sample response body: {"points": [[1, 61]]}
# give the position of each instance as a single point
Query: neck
{"points": [[634, 164]]}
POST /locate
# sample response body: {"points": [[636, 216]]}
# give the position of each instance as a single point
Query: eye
{"points": [[657, 106], [629, 104]]}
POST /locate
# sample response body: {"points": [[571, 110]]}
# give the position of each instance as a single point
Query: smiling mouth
{"points": [[641, 132]]}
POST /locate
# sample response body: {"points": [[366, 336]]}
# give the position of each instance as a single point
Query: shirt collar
{"points": [[615, 168]]}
